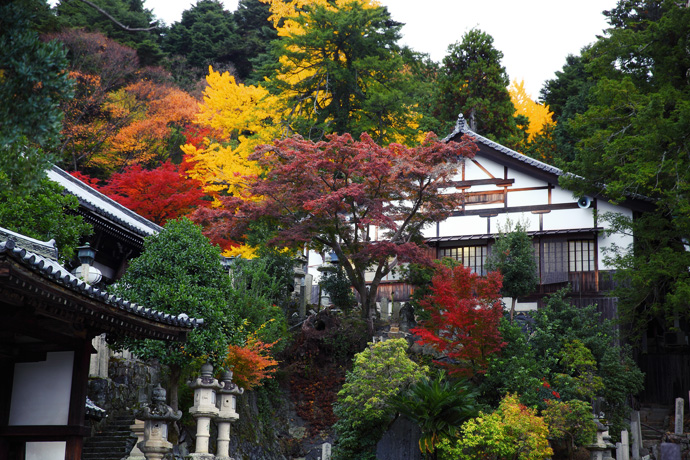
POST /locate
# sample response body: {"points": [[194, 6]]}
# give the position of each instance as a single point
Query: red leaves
{"points": [[159, 194], [465, 312]]}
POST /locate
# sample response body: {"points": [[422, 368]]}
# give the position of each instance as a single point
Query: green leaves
{"points": [[33, 81], [180, 272], [439, 407], [364, 404]]}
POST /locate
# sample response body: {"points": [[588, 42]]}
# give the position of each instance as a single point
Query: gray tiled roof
{"points": [[461, 127], [105, 206], [46, 249], [50, 269]]}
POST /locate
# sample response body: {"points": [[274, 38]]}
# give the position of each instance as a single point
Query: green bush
{"points": [[364, 407]]}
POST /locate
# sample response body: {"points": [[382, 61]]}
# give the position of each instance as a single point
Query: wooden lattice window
{"points": [[473, 257], [581, 256]]}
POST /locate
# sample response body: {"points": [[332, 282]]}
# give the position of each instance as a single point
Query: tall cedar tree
{"points": [[366, 203], [179, 272], [33, 81], [473, 82], [513, 256], [206, 35], [635, 139], [465, 311], [341, 72], [567, 95]]}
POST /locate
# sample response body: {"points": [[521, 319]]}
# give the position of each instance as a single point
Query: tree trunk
{"points": [[512, 308], [175, 373]]}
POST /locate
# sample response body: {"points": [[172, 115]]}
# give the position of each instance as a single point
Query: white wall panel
{"points": [[41, 391]]}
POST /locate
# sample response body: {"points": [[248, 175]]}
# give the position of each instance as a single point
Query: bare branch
{"points": [[128, 29]]}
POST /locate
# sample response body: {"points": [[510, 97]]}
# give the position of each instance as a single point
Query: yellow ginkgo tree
{"points": [[539, 115]]}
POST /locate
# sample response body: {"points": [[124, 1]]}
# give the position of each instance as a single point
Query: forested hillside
{"points": [[317, 103]]}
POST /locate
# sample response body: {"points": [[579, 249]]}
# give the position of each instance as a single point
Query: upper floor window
{"points": [[473, 257], [581, 256]]}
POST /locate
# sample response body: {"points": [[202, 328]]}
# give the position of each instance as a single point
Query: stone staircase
{"points": [[655, 420], [113, 441]]}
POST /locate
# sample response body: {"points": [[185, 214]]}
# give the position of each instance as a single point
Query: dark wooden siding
{"points": [[667, 376]]}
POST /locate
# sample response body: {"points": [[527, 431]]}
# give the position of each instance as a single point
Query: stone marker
{"points": [[302, 301], [619, 451], [636, 432], [669, 451], [396, 311], [385, 313], [625, 445], [679, 415], [308, 282], [400, 442], [326, 451]]}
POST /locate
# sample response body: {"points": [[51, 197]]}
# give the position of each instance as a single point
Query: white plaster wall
{"points": [[462, 225], [472, 171], [51, 450], [314, 262], [569, 218], [523, 180], [559, 195], [618, 239], [41, 391], [528, 198], [530, 220]]}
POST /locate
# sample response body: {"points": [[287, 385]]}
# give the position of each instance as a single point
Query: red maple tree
{"points": [[366, 203], [465, 310], [159, 194]]}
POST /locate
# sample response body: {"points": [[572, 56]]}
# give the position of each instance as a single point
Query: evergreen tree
{"points": [[33, 82], [635, 141], [473, 82], [513, 256], [206, 35], [256, 33], [343, 74], [567, 95], [180, 272]]}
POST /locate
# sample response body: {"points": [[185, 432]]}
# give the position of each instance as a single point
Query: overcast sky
{"points": [[535, 36]]}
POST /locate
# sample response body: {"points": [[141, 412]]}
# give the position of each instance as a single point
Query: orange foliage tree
{"points": [[154, 109], [251, 363]]}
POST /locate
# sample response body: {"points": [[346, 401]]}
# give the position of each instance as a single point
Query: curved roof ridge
{"points": [[52, 270], [107, 206], [461, 127]]}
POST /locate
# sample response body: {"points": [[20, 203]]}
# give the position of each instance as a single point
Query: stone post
{"points": [[625, 445], [203, 410], [138, 430], [396, 311], [326, 451], [226, 414], [679, 416], [156, 418], [385, 313], [636, 432]]}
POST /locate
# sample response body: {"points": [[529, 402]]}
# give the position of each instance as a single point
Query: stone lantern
{"points": [[601, 449], [203, 410], [226, 414], [156, 417]]}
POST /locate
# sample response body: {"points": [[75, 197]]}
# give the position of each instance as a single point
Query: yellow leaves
{"points": [[538, 114], [283, 12], [247, 116]]}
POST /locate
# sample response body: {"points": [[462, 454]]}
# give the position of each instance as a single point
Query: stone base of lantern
{"points": [[155, 449], [196, 456], [225, 458]]}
